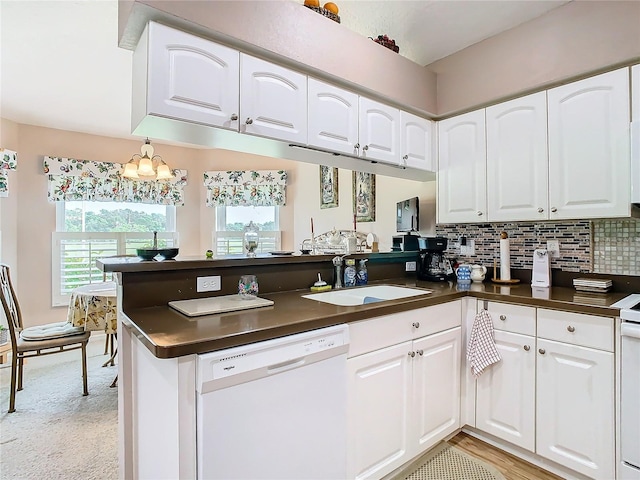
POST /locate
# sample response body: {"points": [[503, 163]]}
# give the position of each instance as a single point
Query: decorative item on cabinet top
{"points": [[329, 10], [385, 41]]}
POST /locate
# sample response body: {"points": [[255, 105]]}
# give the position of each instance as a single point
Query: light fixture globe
{"points": [[143, 165], [164, 172], [130, 169]]}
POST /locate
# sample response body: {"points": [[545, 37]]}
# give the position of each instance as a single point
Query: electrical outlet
{"points": [[469, 249], [208, 284], [410, 266], [553, 247]]}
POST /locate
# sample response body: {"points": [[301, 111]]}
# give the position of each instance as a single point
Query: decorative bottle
{"points": [[362, 277], [250, 239], [350, 273]]}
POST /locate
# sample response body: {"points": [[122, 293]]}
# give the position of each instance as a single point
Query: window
{"points": [[87, 231], [230, 223]]}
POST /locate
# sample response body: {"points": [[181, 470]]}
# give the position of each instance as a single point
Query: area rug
{"points": [[55, 432], [447, 462]]}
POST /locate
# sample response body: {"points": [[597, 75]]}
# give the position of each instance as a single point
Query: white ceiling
{"points": [[60, 66]]}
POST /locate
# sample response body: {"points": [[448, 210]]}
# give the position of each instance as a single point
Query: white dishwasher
{"points": [[275, 409]]}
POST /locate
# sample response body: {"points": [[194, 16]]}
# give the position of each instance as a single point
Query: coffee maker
{"points": [[433, 265]]}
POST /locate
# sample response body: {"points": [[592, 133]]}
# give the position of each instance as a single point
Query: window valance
{"points": [[71, 179], [8, 161], [245, 188]]}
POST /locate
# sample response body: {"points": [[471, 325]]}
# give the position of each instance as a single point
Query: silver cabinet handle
{"points": [[415, 324], [526, 348], [540, 210], [420, 352], [554, 209], [479, 214], [405, 158], [542, 351], [356, 146], [412, 354], [571, 329], [365, 148], [248, 121], [234, 117], [503, 317]]}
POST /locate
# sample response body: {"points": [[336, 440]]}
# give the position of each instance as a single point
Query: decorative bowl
{"points": [[147, 253], [168, 253]]}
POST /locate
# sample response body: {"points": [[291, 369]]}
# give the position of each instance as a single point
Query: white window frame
{"points": [[125, 243], [225, 242]]}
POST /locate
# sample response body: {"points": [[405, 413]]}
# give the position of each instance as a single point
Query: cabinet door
{"points": [[635, 93], [436, 392], [417, 142], [273, 101], [378, 408], [575, 408], [191, 79], [333, 118], [517, 159], [505, 401], [379, 131], [589, 167], [462, 190]]}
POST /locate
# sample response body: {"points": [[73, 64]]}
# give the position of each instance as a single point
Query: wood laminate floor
{"points": [[510, 466]]}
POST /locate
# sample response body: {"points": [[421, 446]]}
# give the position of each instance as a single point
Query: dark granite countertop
{"points": [[168, 334]]}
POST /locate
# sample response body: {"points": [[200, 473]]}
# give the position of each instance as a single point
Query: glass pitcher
{"points": [[251, 239]]}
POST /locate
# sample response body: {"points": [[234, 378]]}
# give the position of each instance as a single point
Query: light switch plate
{"points": [[208, 284]]}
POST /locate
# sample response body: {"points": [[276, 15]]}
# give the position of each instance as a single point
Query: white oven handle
{"points": [[629, 329]]}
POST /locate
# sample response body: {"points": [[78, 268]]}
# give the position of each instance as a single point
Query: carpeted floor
{"points": [[446, 462], [55, 432]]}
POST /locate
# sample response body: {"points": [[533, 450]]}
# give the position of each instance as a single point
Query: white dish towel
{"points": [[481, 351]]}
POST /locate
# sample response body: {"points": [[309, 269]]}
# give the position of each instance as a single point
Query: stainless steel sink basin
{"points": [[362, 295]]}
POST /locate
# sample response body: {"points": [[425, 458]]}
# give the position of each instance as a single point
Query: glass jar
{"points": [[251, 239]]}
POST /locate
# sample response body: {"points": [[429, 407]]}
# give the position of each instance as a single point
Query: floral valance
{"points": [[71, 179], [245, 188], [8, 161]]}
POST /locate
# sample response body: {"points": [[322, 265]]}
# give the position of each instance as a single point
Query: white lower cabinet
{"points": [[575, 408], [402, 398], [506, 391]]}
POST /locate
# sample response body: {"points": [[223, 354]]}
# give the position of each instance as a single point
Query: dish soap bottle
{"points": [[350, 273], [362, 276]]}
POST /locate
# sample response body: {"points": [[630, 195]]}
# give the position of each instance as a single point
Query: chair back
{"points": [[10, 304]]}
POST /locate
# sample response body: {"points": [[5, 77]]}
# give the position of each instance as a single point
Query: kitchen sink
{"points": [[363, 295]]}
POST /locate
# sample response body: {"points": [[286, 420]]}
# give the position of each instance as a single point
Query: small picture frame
{"points": [[364, 196], [328, 187]]}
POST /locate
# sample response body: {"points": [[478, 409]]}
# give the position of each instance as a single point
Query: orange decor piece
{"points": [[332, 7], [312, 3]]}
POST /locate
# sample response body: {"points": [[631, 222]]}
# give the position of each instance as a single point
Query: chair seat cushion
{"points": [[50, 330]]}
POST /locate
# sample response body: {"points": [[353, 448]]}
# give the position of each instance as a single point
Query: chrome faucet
{"points": [[337, 271]]}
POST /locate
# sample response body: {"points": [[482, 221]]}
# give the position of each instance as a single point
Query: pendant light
{"points": [[142, 166]]}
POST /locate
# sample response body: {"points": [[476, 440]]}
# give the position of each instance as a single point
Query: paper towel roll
{"points": [[505, 260]]}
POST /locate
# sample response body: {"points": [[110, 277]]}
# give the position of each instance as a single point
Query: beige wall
{"points": [[579, 38], [28, 219]]}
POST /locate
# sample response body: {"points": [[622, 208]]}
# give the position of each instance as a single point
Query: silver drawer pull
{"points": [[412, 354], [420, 352], [554, 209], [248, 121], [540, 210], [503, 317], [571, 329], [542, 351], [234, 117], [526, 348], [415, 324]]}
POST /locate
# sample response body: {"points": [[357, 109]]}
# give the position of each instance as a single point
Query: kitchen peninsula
{"points": [[158, 346]]}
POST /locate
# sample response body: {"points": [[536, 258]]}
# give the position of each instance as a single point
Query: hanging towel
{"points": [[481, 351]]}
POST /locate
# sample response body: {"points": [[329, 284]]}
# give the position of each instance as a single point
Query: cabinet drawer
{"points": [[384, 331], [512, 318], [576, 328]]}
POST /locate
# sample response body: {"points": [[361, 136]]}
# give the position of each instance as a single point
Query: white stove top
{"points": [[629, 308]]}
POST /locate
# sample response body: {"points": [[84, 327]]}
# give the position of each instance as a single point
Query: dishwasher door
{"points": [[274, 409]]}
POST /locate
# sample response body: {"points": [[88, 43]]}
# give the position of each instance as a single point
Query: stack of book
{"points": [[594, 285]]}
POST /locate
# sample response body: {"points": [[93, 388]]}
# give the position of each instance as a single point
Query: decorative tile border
{"points": [[615, 244]]}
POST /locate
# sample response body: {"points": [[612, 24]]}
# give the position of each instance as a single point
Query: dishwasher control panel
{"points": [[273, 356]]}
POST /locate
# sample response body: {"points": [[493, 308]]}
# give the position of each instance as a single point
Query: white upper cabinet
{"points": [[589, 154], [186, 77], [273, 101], [517, 159], [333, 118], [417, 142], [379, 131], [462, 169]]}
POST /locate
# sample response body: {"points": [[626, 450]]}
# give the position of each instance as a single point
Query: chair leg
{"points": [[106, 343], [12, 398], [20, 368], [84, 369], [113, 341]]}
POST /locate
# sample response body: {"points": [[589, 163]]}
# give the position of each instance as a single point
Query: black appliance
{"points": [[405, 243], [432, 263]]}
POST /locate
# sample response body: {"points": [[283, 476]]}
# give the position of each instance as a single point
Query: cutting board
{"points": [[220, 304]]}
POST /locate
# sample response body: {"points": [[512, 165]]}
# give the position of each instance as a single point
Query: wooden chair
{"points": [[36, 341]]}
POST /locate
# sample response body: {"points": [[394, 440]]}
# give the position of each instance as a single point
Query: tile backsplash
{"points": [[599, 246]]}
